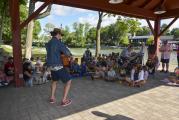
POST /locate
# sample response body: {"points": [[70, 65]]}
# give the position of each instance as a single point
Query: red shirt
{"points": [[8, 65]]}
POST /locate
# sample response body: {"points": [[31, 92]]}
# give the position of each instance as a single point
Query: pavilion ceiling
{"points": [[132, 8]]}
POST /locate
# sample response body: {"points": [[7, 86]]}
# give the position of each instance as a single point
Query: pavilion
{"points": [[154, 10]]}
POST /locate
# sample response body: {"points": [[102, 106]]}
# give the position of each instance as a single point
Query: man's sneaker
{"points": [[52, 101], [66, 103]]}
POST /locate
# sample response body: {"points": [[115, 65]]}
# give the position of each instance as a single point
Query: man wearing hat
{"points": [[54, 48]]}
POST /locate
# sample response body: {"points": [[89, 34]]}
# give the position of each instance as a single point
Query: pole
{"points": [[156, 35], [16, 40]]}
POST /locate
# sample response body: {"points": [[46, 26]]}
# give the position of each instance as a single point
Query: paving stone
{"points": [[154, 101]]}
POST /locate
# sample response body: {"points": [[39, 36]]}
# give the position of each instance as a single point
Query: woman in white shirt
{"points": [[142, 76]]}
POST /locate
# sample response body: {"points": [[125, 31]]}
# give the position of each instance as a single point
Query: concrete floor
{"points": [[93, 100]]}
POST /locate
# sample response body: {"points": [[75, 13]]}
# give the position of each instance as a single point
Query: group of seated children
{"points": [[107, 68], [76, 69], [138, 77], [35, 72]]}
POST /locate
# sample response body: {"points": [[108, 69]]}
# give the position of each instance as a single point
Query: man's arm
{"points": [[65, 50]]}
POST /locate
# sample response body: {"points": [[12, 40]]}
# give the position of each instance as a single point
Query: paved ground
{"points": [[93, 100]]}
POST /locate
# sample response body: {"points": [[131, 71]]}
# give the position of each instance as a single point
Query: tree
{"points": [[121, 31], [150, 40], [91, 36], [49, 27], [98, 30], [134, 25], [143, 31], [5, 23], [175, 32], [79, 34], [36, 30], [30, 33], [5, 32], [167, 32]]}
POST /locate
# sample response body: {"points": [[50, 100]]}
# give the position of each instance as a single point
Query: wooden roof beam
{"points": [[150, 26], [129, 2], [161, 3], [170, 14], [120, 9], [145, 3]]}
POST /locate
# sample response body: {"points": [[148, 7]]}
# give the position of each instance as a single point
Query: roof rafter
{"points": [[160, 3], [170, 14], [129, 2], [144, 4], [121, 9]]}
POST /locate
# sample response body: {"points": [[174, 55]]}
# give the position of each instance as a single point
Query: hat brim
{"points": [[53, 32]]}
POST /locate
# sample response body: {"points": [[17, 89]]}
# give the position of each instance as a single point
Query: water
{"points": [[80, 51]]}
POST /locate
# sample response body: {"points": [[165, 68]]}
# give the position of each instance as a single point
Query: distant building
{"points": [[140, 39]]}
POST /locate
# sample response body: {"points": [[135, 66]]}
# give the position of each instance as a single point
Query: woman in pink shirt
{"points": [[165, 55]]}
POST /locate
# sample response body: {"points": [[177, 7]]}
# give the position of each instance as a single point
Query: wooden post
{"points": [[16, 40], [156, 35]]}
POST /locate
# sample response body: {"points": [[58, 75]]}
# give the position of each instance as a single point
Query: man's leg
{"points": [[167, 67], [53, 89], [163, 66], [66, 90]]}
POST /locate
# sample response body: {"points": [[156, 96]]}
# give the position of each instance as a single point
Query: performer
{"points": [[54, 48]]}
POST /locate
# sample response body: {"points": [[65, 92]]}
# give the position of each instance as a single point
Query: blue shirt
{"points": [[54, 48]]}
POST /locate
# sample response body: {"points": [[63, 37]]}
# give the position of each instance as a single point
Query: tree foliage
{"points": [[6, 22], [175, 32], [167, 32], [150, 40], [143, 31]]}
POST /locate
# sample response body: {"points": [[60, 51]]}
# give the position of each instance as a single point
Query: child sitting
{"points": [[99, 73], [111, 75], [152, 64], [38, 66], [133, 76], [143, 76], [3, 80], [175, 78], [28, 74], [83, 68], [46, 76], [75, 67]]}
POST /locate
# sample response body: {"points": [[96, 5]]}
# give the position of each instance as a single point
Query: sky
{"points": [[68, 15]]}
